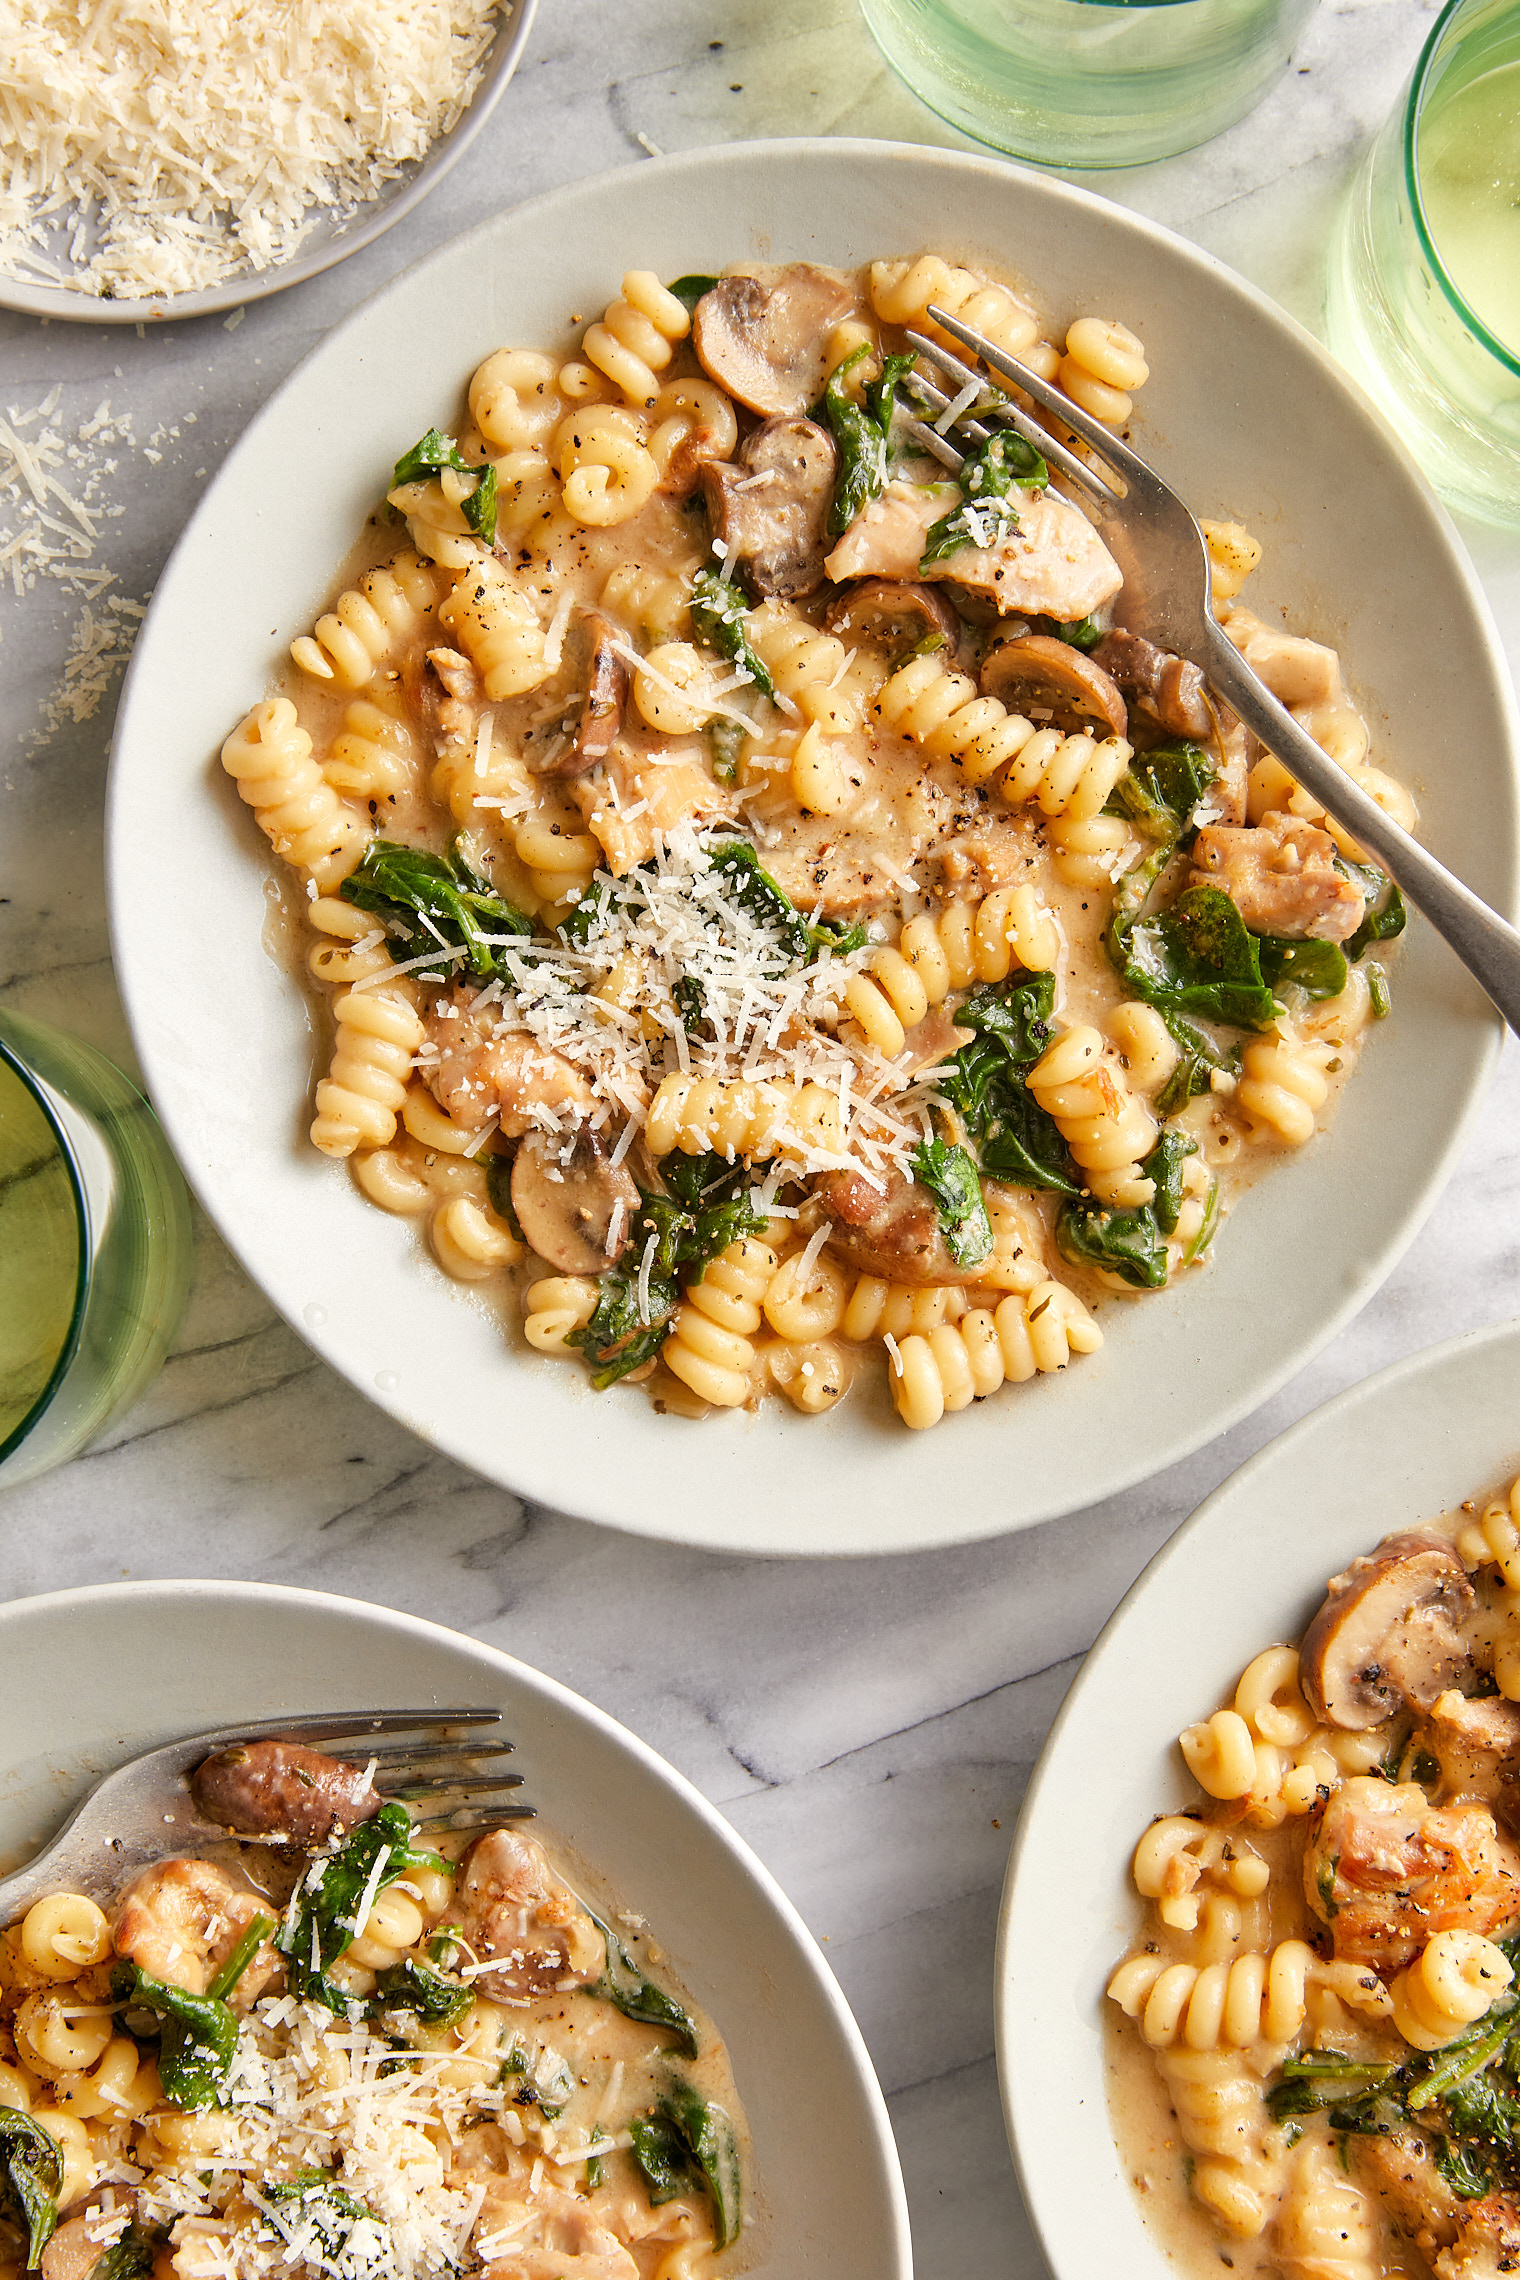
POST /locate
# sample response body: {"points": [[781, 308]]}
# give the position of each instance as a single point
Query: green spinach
{"points": [[128, 2258], [1128, 1243], [687, 2143], [1160, 789], [689, 290], [950, 1177], [860, 442], [1317, 968], [1197, 957], [31, 2178], [625, 1987], [1383, 916], [719, 613], [986, 513], [1013, 1137], [321, 1923], [757, 892], [680, 1232], [428, 1995], [436, 902], [1163, 1166], [431, 456]]}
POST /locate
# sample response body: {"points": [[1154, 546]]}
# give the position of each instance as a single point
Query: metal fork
{"points": [[1166, 599], [144, 1809]]}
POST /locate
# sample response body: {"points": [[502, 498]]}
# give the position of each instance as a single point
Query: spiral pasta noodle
{"points": [[1069, 776], [806, 666], [1103, 366], [497, 628], [471, 1243], [604, 464], [1256, 1998], [513, 400], [901, 292], [1325, 2226], [1455, 1978], [656, 601], [1282, 1085], [709, 1348], [936, 953], [737, 1118], [636, 337], [269, 759], [379, 1032], [963, 1361], [373, 757], [1223, 2120], [1105, 1125], [554, 1307], [877, 1308], [368, 624]]}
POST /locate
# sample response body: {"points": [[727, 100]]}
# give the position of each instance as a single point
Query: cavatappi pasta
{"points": [[726, 838], [1316, 2072], [331, 2053]]}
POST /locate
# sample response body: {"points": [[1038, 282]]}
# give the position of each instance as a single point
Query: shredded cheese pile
{"points": [[309, 2094], [162, 146], [683, 920]]}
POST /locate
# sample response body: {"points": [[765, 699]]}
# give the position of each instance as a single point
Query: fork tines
{"points": [[1088, 481], [358, 1725], [1094, 434]]}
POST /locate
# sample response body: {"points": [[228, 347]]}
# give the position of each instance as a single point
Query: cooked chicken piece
{"points": [[643, 794], [769, 509], [893, 1231], [1054, 564], [1384, 1869], [458, 676], [1400, 2171], [764, 337], [1477, 1745], [998, 853], [1281, 877], [517, 1915], [477, 1071], [181, 1919], [1487, 2247]]}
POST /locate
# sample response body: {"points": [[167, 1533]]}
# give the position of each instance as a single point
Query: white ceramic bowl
{"points": [[1249, 419], [94, 1676], [1249, 1567], [327, 241]]}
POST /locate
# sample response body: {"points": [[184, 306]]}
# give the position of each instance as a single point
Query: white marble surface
{"points": [[868, 1725]]}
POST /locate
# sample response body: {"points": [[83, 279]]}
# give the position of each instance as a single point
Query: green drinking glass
{"points": [[1424, 284], [1088, 83], [95, 1246]]}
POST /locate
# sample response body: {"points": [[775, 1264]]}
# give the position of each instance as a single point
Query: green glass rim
{"points": [[1419, 88], [70, 1347]]}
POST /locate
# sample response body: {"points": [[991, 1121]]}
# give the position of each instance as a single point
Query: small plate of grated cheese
{"points": [[179, 162]]}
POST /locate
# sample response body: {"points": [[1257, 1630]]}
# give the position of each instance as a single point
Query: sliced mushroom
{"points": [[1169, 689], [769, 509], [893, 1232], [766, 340], [568, 1206], [1387, 1633], [898, 612], [1053, 684], [607, 681], [458, 675]]}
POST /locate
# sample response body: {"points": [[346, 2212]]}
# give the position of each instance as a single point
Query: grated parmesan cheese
{"points": [[159, 148]]}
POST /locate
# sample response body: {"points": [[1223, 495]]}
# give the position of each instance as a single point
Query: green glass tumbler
{"points": [[95, 1246], [1082, 83], [1424, 282]]}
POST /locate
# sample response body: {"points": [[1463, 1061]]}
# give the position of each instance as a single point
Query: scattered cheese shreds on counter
{"points": [[169, 145]]}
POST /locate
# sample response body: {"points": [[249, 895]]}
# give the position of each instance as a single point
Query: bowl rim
{"points": [[1042, 2196], [576, 1709], [370, 221], [934, 1522]]}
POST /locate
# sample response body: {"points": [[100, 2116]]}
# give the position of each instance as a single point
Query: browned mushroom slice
{"points": [[601, 718], [575, 1211], [769, 509], [1052, 683], [897, 612], [1387, 1633], [766, 342], [892, 1231], [1169, 689]]}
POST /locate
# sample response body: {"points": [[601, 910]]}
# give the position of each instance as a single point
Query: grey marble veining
{"points": [[873, 1735]]}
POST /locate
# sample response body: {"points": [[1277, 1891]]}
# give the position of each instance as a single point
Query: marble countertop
{"points": [[874, 1738]]}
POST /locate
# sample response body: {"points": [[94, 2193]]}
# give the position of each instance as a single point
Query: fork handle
{"points": [[1488, 946]]}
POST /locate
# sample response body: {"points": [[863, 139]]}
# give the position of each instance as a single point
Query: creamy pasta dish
{"points": [[773, 913], [318, 2049], [1322, 2077]]}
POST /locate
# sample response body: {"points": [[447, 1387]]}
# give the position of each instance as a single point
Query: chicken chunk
{"points": [[1282, 878], [1054, 564], [1488, 2243], [643, 795], [477, 1070], [516, 1914], [892, 1231], [180, 1921], [1477, 1745], [1400, 2171], [1384, 1869]]}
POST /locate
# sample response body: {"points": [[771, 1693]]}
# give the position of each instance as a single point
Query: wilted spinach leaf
{"points": [[1013, 1137], [432, 902], [430, 456], [1199, 957], [31, 2175], [950, 1176], [1126, 1243], [1316, 968]]}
